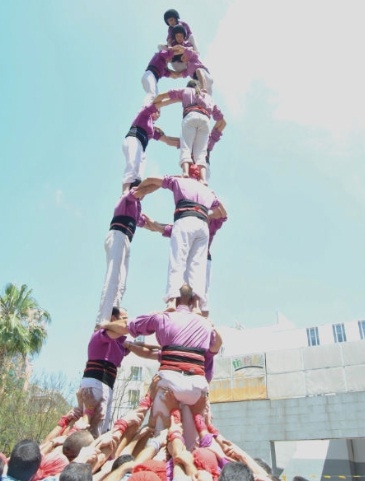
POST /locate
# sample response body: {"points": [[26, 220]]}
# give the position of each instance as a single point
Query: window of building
{"points": [[339, 333], [362, 329], [133, 397], [136, 373], [313, 336]]}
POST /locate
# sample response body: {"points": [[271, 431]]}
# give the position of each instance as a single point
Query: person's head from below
{"points": [[236, 471], [118, 313], [75, 441], [76, 472], [171, 17], [122, 459], [196, 85], [186, 295], [194, 171], [135, 183], [24, 460], [179, 34]]}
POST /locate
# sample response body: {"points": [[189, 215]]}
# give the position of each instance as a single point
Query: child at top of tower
{"points": [[172, 18]]}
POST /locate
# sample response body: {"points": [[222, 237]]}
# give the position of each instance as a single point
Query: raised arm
{"points": [[147, 186]]}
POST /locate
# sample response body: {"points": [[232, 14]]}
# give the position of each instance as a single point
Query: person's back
{"points": [[24, 460]]}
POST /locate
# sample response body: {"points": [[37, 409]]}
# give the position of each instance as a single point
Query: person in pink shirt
{"points": [[214, 225], [135, 143], [198, 107], [105, 353], [188, 343], [172, 19], [190, 234], [126, 217], [156, 69]]}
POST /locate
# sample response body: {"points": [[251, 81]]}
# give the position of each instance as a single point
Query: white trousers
{"points": [[204, 303], [208, 80], [117, 249], [135, 159], [194, 138], [187, 391], [149, 84], [94, 394], [188, 257]]}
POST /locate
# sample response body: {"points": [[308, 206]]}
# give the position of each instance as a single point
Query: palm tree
{"points": [[22, 325]]}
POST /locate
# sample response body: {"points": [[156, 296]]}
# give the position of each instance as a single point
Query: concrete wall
{"points": [[254, 425]]}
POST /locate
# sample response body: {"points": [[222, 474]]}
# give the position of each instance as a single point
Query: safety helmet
{"points": [[178, 29], [171, 13]]}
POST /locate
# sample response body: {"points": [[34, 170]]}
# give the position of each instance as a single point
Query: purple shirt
{"points": [[214, 225], [103, 347], [145, 122], [188, 97], [192, 63], [159, 63], [182, 328], [190, 189], [130, 206]]}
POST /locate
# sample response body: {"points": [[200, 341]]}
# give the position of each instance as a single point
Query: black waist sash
{"points": [[140, 133], [125, 224], [189, 360], [153, 69], [103, 371], [189, 208]]}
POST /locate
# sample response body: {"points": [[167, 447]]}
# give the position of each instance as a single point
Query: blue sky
{"points": [[289, 168]]}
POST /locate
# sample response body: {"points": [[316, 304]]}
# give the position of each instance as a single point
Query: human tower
{"points": [[186, 339]]}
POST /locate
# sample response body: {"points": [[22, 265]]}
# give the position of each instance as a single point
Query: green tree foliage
{"points": [[26, 410], [32, 412], [22, 325]]}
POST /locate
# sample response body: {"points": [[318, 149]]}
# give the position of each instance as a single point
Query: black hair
{"points": [[236, 471], [135, 183], [171, 13], [76, 472], [24, 460], [123, 458], [179, 29]]}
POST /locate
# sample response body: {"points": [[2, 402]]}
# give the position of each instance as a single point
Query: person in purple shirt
{"points": [[172, 18], [188, 344], [126, 217], [214, 225], [156, 69], [190, 234], [198, 108], [105, 353], [135, 143]]}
